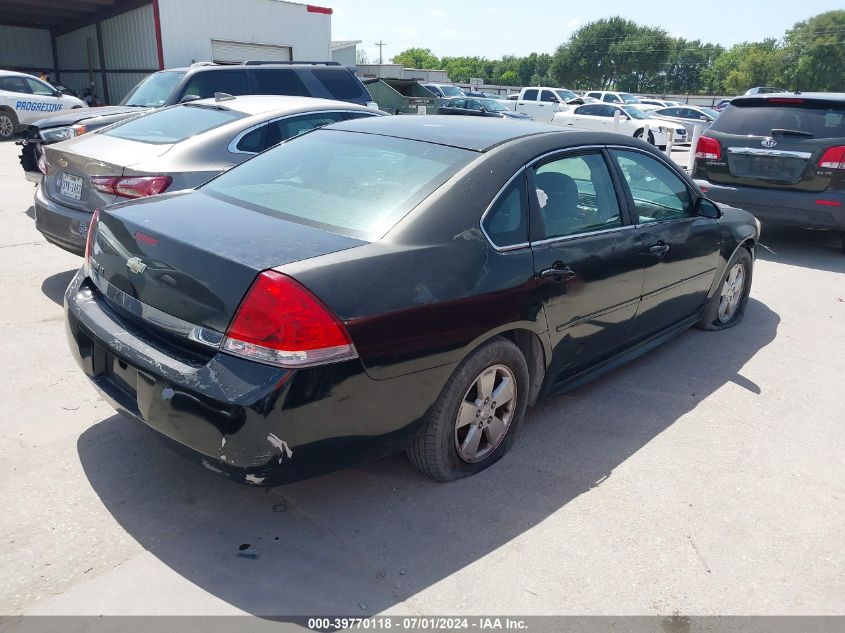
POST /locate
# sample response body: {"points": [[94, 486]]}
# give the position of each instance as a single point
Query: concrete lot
{"points": [[705, 478]]}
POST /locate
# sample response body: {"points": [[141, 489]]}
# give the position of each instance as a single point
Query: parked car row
{"points": [[304, 284]]}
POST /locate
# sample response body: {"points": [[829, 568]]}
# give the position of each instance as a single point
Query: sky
{"points": [[493, 28]]}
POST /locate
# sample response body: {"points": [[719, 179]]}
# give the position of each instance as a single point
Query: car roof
{"points": [[476, 134], [815, 96], [259, 104], [211, 66], [14, 73]]}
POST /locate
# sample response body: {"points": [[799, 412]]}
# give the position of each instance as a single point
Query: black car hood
{"points": [[84, 114]]}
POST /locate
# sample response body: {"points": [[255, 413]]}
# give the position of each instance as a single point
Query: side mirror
{"points": [[58, 93], [189, 98], [707, 209], [483, 110]]}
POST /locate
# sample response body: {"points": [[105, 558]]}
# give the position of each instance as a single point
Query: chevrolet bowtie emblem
{"points": [[136, 265], [62, 163]]}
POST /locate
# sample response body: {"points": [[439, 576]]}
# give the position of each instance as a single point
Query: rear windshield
{"points": [[340, 83], [153, 91], [359, 185], [174, 124], [821, 122]]}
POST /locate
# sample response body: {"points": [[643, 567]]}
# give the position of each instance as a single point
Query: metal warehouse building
{"points": [[115, 43]]}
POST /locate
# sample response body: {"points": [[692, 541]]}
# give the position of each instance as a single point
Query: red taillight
{"points": [[833, 158], [828, 203], [131, 186], [792, 100], [708, 148], [281, 323], [89, 241]]}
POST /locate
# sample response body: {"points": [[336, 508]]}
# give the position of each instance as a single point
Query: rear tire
{"points": [[639, 134], [467, 429], [727, 307], [8, 124]]}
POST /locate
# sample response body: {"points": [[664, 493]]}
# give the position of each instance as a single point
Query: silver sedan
{"points": [[174, 148], [688, 116]]}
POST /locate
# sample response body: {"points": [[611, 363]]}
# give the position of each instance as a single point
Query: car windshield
{"points": [[359, 185], [627, 98], [174, 124], [153, 91], [635, 113], [493, 105], [819, 119], [452, 91], [566, 95]]}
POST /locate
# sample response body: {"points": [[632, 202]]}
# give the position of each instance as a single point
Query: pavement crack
{"points": [[697, 553]]}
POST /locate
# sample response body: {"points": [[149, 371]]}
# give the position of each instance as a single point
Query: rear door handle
{"points": [[659, 249], [559, 273]]}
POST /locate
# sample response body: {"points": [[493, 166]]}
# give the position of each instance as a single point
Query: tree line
{"points": [[621, 54]]}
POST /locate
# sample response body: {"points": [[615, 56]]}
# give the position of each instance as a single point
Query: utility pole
{"points": [[380, 45]]}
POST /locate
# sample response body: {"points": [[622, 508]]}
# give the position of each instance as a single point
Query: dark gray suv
{"points": [[326, 80], [779, 156]]}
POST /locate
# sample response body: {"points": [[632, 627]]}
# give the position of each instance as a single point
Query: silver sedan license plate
{"points": [[71, 186]]}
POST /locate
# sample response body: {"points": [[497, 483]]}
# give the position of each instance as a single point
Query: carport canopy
{"points": [[50, 13]]}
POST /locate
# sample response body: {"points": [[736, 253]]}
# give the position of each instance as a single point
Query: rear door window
{"points": [[15, 84], [822, 121], [339, 83], [174, 124], [529, 95], [255, 141], [576, 195], [279, 82], [205, 84]]}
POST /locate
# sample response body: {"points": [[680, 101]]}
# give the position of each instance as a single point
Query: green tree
{"points": [[417, 58], [814, 53]]}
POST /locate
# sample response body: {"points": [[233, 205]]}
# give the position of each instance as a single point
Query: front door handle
{"points": [[659, 249], [559, 273]]}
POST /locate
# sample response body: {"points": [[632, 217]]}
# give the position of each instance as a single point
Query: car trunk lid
{"points": [[193, 257], [73, 163]]}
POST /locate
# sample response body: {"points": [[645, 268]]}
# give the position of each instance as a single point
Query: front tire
{"points": [[727, 307], [472, 423], [8, 124]]}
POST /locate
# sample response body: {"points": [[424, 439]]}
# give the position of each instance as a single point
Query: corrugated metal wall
{"points": [[25, 49], [129, 54], [188, 26], [129, 40]]}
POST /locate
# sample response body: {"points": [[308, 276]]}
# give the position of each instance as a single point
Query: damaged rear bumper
{"points": [[253, 423]]}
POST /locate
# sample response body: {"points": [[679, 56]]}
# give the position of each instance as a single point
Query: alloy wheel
{"points": [[485, 413], [731, 295], [7, 128]]}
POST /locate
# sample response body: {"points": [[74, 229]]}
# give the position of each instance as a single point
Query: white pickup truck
{"points": [[542, 103]]}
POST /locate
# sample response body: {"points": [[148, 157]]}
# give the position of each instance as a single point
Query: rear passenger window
{"points": [[254, 141], [530, 95], [280, 82], [339, 82], [205, 84], [506, 224], [284, 129], [658, 193], [576, 195]]}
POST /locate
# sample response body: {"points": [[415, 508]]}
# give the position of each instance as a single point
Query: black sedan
{"points": [[480, 107], [400, 283]]}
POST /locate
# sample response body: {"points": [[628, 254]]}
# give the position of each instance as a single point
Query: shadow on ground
{"points": [[363, 539], [55, 285], [821, 250]]}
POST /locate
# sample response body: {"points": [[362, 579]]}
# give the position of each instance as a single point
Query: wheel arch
{"points": [[531, 346]]}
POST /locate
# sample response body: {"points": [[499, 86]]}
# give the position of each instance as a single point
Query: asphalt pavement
{"points": [[704, 478]]}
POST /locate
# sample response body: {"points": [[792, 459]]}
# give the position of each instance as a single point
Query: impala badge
{"points": [[136, 265], [768, 142]]}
